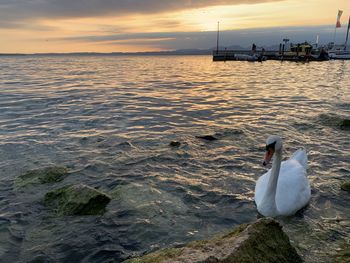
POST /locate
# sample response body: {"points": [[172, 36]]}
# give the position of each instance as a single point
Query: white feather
{"points": [[293, 189]]}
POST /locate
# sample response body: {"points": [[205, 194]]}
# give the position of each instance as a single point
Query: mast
{"points": [[217, 40], [347, 35]]}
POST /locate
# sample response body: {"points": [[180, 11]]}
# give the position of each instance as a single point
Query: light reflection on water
{"points": [[110, 119]]}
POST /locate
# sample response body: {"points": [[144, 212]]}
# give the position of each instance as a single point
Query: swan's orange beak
{"points": [[268, 156]]}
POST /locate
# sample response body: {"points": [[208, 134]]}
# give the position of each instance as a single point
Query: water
{"points": [[110, 120]]}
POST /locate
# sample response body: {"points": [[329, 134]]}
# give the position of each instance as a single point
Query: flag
{"points": [[340, 12]]}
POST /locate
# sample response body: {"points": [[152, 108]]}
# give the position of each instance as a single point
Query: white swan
{"points": [[284, 189]]}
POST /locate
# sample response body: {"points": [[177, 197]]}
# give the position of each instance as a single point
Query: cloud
{"points": [[8, 24], [15, 10], [204, 40]]}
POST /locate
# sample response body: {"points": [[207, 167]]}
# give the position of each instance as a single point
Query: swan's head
{"points": [[273, 144]]}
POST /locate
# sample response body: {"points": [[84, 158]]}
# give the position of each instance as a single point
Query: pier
{"points": [[299, 55], [227, 55]]}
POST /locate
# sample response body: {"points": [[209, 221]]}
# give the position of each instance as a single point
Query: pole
{"points": [[335, 31], [217, 39], [347, 34]]}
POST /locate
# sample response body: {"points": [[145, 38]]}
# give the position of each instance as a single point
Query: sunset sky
{"points": [[34, 26]]}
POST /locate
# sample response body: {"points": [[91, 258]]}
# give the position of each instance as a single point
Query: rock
{"points": [[146, 201], [175, 144], [207, 137], [46, 175], [343, 256], [263, 242], [225, 134], [333, 120], [77, 200], [345, 186], [344, 124]]}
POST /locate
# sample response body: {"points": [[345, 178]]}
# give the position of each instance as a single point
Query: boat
{"points": [[252, 57], [340, 51], [231, 55], [302, 52]]}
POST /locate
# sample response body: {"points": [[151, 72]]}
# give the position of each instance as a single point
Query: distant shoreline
{"points": [[189, 51], [158, 53]]}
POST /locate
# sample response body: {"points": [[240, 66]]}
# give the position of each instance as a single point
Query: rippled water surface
{"points": [[110, 120]]}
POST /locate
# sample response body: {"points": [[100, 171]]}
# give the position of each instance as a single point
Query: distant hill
{"points": [[152, 53], [193, 51], [233, 47]]}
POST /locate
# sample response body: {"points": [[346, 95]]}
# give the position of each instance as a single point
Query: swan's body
{"points": [[284, 189]]}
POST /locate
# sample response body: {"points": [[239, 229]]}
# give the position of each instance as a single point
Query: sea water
{"points": [[110, 120]]}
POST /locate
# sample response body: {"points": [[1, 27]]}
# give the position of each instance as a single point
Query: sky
{"points": [[41, 26]]}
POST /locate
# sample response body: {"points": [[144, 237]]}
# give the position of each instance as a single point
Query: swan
{"points": [[285, 188]]}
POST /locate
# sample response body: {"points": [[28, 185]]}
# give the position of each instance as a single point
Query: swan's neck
{"points": [[269, 200]]}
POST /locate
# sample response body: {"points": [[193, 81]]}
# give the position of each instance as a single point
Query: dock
{"points": [[227, 55], [262, 55]]}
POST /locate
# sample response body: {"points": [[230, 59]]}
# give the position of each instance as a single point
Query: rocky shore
{"points": [[262, 241]]}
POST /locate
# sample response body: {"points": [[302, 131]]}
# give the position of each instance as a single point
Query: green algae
{"points": [[263, 242], [267, 244], [237, 230], [171, 253], [219, 239], [77, 200], [158, 257], [343, 256], [45, 175]]}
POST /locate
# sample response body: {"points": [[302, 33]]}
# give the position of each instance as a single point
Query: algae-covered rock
{"points": [[346, 186], [343, 256], [45, 175], [207, 137], [175, 144], [344, 124], [263, 242], [334, 120], [77, 200]]}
